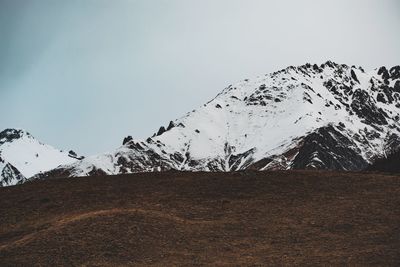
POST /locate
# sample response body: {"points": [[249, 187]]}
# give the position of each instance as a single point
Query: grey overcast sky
{"points": [[82, 74]]}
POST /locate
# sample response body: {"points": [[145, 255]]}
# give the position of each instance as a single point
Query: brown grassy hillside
{"points": [[221, 219]]}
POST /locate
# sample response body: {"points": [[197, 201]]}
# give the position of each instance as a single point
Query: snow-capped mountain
{"points": [[22, 156], [329, 116]]}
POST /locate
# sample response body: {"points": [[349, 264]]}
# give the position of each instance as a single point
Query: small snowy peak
{"points": [[24, 156], [310, 116]]}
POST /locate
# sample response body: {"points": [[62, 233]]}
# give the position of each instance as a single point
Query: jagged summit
{"points": [[9, 135], [320, 116]]}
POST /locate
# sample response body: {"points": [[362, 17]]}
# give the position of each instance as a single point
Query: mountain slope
{"points": [[327, 116], [22, 156]]}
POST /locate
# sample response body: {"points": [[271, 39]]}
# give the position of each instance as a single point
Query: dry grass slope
{"points": [[220, 219]]}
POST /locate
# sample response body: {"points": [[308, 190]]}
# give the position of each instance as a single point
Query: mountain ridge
{"points": [[328, 116]]}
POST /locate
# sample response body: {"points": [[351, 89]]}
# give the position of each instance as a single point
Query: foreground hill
{"points": [[174, 218], [329, 116]]}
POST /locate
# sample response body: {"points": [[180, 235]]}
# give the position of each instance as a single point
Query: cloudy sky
{"points": [[83, 74]]}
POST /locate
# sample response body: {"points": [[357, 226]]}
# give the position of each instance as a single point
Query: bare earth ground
{"points": [[222, 219]]}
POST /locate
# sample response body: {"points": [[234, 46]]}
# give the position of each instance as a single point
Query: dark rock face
{"points": [[177, 157], [11, 134], [258, 165], [133, 145], [72, 154], [328, 149], [9, 174], [127, 140], [381, 98], [384, 73], [161, 131], [388, 92], [395, 73], [365, 108], [396, 87], [354, 76], [389, 164], [156, 162], [171, 125], [236, 159], [392, 144]]}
